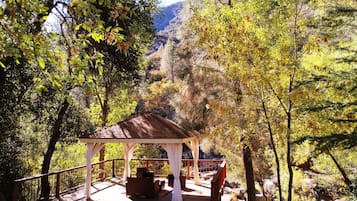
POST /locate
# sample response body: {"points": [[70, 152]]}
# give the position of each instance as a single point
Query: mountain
{"points": [[166, 15], [166, 23]]}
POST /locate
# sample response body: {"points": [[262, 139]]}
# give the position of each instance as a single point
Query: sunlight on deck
{"points": [[114, 190]]}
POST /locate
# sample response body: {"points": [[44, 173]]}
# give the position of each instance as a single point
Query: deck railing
{"points": [[217, 182], [69, 180]]}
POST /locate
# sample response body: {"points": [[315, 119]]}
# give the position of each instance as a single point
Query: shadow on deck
{"points": [[114, 190]]}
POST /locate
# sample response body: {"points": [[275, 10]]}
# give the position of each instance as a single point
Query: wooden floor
{"points": [[114, 190]]}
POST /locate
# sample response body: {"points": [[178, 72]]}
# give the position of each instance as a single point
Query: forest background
{"points": [[271, 85]]}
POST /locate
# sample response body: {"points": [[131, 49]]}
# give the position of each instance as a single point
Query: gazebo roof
{"points": [[144, 128]]}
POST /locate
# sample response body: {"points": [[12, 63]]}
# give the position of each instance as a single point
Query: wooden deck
{"points": [[114, 190], [67, 184]]}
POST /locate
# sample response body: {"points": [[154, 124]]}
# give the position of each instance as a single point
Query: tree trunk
{"points": [[288, 158], [101, 166], [249, 172], [172, 73], [290, 105], [56, 133], [342, 171], [274, 150], [105, 112]]}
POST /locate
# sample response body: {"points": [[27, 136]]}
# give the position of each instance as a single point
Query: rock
{"points": [[262, 198], [227, 190], [321, 193], [269, 188], [231, 183]]}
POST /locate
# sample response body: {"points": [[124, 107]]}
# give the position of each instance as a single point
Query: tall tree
{"points": [[23, 47], [168, 59], [127, 32]]}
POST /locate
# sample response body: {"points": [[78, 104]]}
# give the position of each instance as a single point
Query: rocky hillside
{"points": [[165, 23], [166, 15]]}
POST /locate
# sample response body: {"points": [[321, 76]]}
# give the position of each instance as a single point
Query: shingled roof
{"points": [[144, 128]]}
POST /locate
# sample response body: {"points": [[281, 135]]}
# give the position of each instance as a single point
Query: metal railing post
{"points": [[113, 168], [188, 169]]}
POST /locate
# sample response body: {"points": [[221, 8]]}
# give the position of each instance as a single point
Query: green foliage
{"points": [[68, 155], [156, 96], [10, 169], [149, 151], [341, 140], [122, 105], [114, 150], [119, 33]]}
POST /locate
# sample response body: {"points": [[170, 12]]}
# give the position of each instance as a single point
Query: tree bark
{"points": [[274, 150], [342, 171], [288, 157], [105, 112], [290, 105], [249, 172], [55, 136]]}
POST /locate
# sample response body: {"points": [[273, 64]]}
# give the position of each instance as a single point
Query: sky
{"points": [[168, 2]]}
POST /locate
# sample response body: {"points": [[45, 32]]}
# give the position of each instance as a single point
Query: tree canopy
{"points": [[268, 84]]}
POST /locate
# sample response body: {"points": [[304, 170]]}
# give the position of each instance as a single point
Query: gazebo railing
{"points": [[63, 181], [161, 166], [70, 180]]}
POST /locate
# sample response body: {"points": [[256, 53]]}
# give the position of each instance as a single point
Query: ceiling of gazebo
{"points": [[143, 128]]}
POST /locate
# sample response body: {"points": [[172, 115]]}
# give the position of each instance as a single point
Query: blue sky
{"points": [[168, 2]]}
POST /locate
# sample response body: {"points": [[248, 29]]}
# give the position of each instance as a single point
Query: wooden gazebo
{"points": [[145, 128]]}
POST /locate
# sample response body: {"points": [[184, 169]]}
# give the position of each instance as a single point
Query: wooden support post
{"points": [[16, 192], [147, 164], [58, 185]]}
